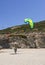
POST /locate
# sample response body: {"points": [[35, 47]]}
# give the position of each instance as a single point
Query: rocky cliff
{"points": [[30, 40]]}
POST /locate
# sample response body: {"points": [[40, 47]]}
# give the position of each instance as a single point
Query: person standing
{"points": [[15, 48]]}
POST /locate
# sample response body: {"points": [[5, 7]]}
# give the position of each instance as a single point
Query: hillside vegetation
{"points": [[40, 26]]}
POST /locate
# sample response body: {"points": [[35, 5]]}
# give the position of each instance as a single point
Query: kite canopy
{"points": [[30, 22], [26, 20]]}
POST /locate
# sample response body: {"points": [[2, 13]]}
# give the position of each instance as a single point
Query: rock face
{"points": [[4, 42], [29, 40]]}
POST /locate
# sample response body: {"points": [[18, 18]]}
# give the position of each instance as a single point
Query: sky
{"points": [[13, 12]]}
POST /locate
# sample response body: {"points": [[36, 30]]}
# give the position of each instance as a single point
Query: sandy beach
{"points": [[23, 57]]}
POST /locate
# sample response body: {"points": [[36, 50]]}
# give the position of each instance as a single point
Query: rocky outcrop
{"points": [[28, 40]]}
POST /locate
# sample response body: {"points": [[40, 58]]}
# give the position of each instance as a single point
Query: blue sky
{"points": [[13, 12]]}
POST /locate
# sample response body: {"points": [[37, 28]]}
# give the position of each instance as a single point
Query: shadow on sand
{"points": [[18, 53]]}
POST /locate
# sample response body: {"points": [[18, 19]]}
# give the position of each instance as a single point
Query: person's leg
{"points": [[15, 50]]}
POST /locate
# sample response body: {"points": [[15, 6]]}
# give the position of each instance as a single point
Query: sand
{"points": [[23, 57]]}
